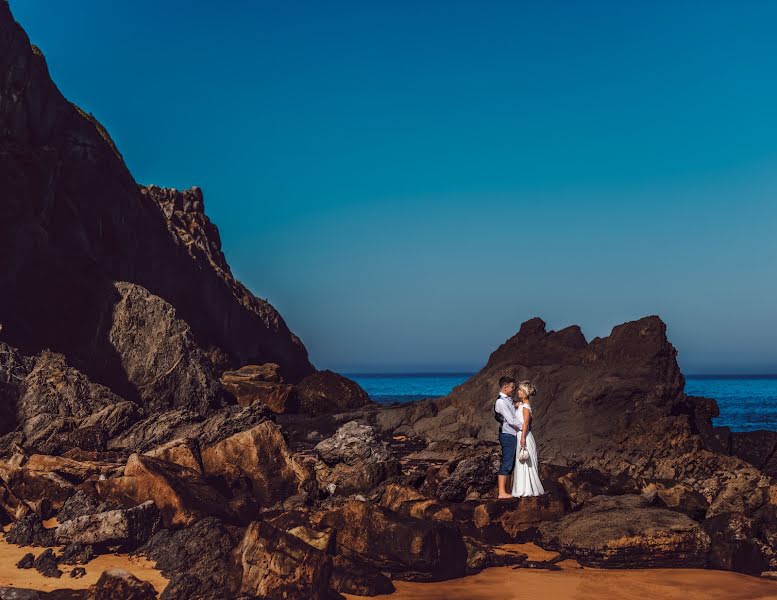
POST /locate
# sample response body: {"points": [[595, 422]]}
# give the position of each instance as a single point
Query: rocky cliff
{"points": [[73, 222], [615, 403]]}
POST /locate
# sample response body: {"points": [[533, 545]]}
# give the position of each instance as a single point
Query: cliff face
{"points": [[73, 222]]}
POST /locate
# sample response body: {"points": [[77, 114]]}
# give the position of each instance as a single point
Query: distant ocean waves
{"points": [[746, 402], [406, 387]]}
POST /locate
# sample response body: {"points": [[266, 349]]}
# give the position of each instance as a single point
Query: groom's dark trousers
{"points": [[509, 445]]}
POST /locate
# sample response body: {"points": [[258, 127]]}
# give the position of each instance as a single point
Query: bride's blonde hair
{"points": [[527, 387]]}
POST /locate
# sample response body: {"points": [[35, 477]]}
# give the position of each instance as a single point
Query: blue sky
{"points": [[409, 181]]}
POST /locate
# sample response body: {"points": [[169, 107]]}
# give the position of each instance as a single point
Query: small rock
{"points": [[46, 564], [118, 583], [26, 561], [77, 572], [76, 554]]}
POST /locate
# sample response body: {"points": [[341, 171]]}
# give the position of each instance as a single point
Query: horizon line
{"points": [[450, 373]]}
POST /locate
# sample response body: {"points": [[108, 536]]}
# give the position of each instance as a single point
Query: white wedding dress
{"points": [[526, 478]]}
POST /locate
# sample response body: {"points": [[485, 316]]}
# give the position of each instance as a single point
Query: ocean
{"points": [[746, 402]]}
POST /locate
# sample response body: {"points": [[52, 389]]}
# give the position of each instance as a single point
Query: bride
{"points": [[526, 479]]}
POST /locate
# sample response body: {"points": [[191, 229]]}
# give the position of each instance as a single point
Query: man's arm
{"points": [[508, 415]]}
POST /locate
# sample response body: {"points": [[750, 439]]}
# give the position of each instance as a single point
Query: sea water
{"points": [[746, 402]]}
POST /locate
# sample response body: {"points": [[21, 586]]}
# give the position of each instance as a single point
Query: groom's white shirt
{"points": [[505, 407]]}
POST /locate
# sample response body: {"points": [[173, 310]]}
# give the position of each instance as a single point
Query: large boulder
{"points": [[468, 474], [55, 403], [182, 451], [759, 448], [735, 544], [409, 548], [623, 531], [159, 354], [82, 503], [276, 564], [29, 531], [118, 584], [43, 491], [165, 427], [181, 495], [75, 471], [489, 521], [261, 383], [354, 460], [259, 456], [327, 391], [125, 527]]}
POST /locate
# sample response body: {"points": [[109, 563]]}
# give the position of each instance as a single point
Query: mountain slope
{"points": [[73, 222]]}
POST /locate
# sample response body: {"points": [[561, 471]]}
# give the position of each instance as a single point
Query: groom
{"points": [[504, 413]]}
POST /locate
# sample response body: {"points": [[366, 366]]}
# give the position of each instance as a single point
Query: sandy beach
{"points": [[574, 582], [11, 576], [590, 584]]}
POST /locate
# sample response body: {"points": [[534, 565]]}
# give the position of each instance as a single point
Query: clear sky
{"points": [[407, 181]]}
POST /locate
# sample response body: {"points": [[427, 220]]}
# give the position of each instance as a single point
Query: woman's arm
{"points": [[525, 429]]}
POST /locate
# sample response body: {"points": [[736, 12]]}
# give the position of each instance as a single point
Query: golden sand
{"points": [[507, 583], [11, 576], [573, 582]]}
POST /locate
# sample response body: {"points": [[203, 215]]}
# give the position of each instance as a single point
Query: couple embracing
{"points": [[519, 450]]}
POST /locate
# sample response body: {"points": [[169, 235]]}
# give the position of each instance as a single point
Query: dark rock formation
{"points": [[55, 400], [488, 521], [29, 531], [181, 495], [468, 473], [759, 448], [80, 504], [259, 457], [624, 531], [26, 561], [261, 383], [354, 460], [615, 404], [46, 564], [125, 527], [116, 584], [409, 548], [275, 564], [161, 428], [71, 216], [734, 544], [326, 391], [14, 368], [197, 560], [76, 554]]}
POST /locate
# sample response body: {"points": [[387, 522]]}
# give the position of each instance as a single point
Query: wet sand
{"points": [[574, 582], [10, 576]]}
